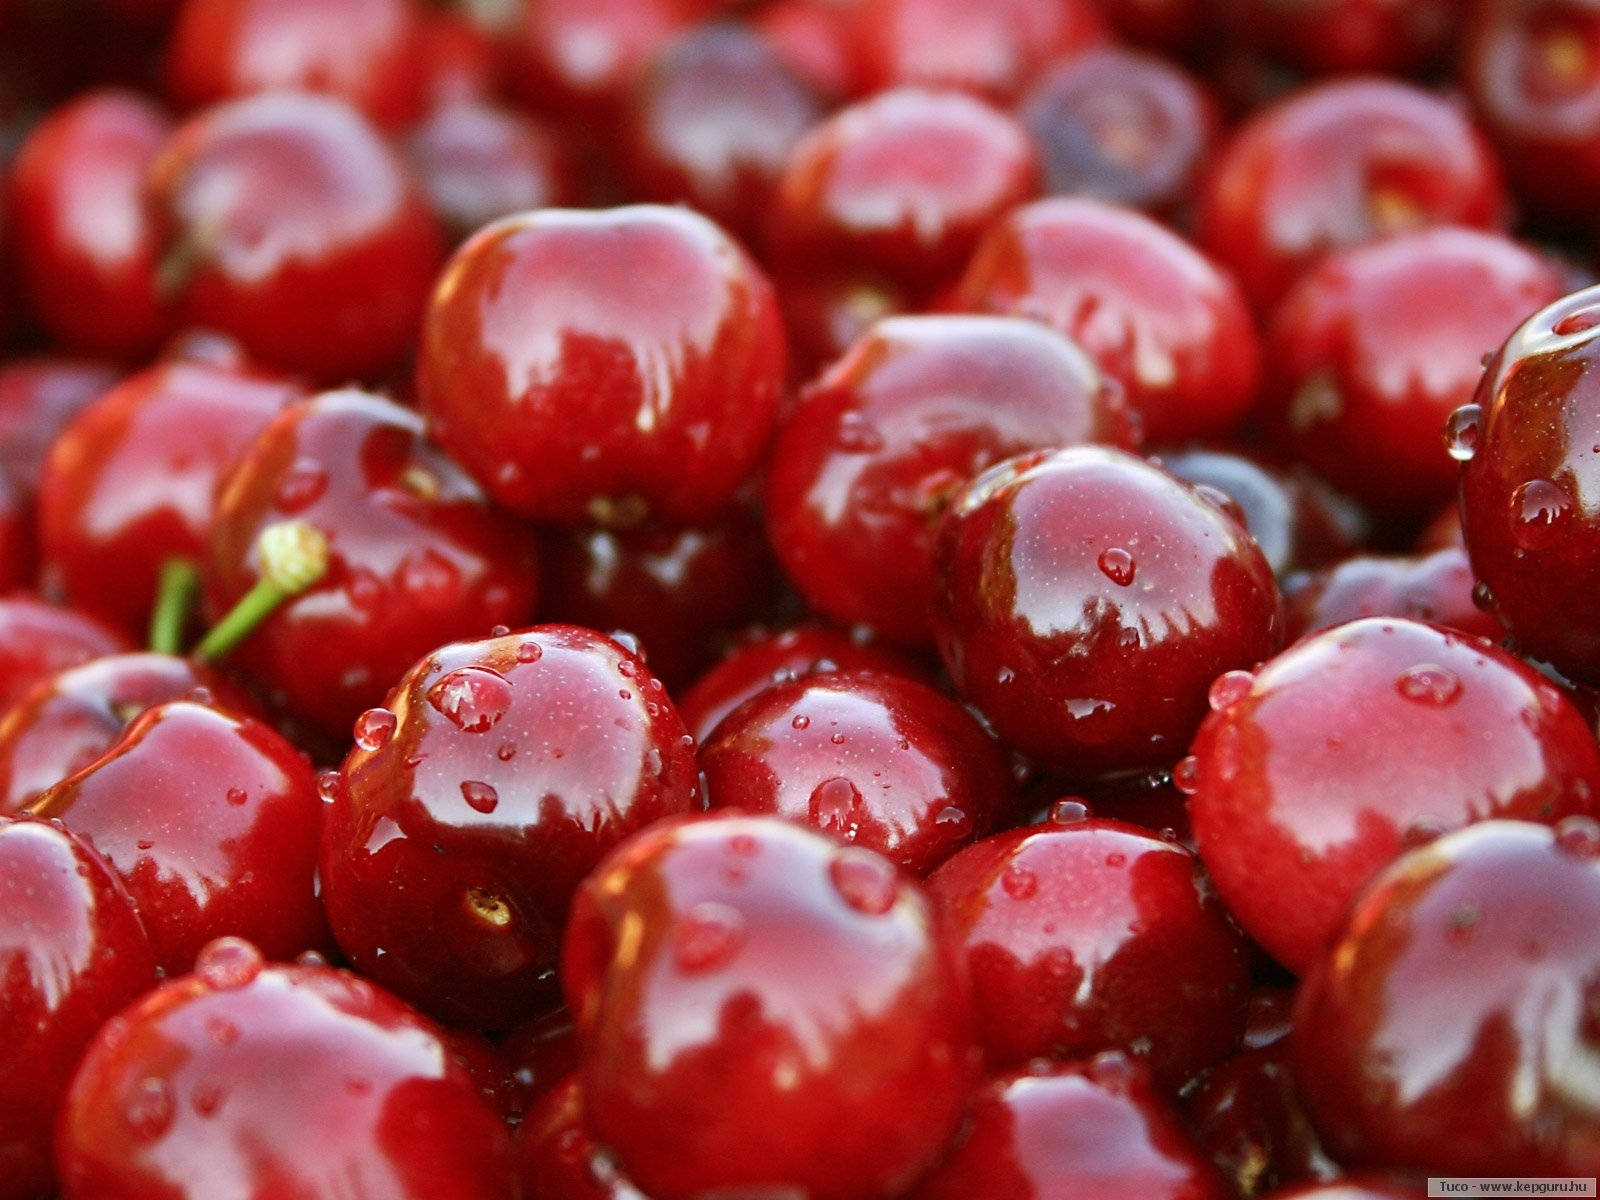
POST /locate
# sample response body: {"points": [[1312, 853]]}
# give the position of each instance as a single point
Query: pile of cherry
{"points": [[804, 600]]}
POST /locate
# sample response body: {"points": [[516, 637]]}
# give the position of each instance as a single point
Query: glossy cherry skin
{"points": [[497, 776], [872, 758], [367, 52], [71, 718], [767, 658], [479, 161], [1378, 344], [1121, 126], [903, 184], [1092, 935], [289, 223], [39, 639], [416, 554], [1528, 488], [1449, 1027], [261, 1082], [87, 251], [1340, 164], [711, 124], [603, 365], [212, 822], [867, 461], [541, 1055], [1350, 37], [1151, 310], [1072, 1132], [129, 484], [72, 953], [38, 398], [1086, 599], [748, 991], [1312, 776], [558, 1157], [1437, 588]]}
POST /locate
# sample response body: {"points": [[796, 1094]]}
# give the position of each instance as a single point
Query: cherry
{"points": [[1526, 505], [865, 465], [607, 364], [1081, 934], [86, 249], [367, 52], [747, 991], [1121, 126], [264, 1081], [288, 222], [414, 553], [129, 484], [72, 953], [1436, 587], [1442, 1030], [470, 808], [828, 313], [1340, 164], [38, 397], [1072, 1132], [1085, 601], [1310, 777], [559, 1157], [815, 39], [1170, 26], [1378, 344], [1149, 801], [72, 717], [1151, 310], [211, 820], [459, 58], [873, 758], [39, 639], [541, 1055], [1350, 36]]}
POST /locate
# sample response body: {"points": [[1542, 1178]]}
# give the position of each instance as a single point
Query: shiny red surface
{"points": [[1437, 588], [39, 639]]}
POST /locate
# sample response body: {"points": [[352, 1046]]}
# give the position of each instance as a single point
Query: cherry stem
{"points": [[293, 556], [175, 596]]}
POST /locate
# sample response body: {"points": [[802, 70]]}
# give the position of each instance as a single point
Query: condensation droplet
{"points": [[1229, 688], [1069, 811], [1579, 836], [374, 728], [801, 721], [953, 822], [1186, 775], [148, 1109], [237, 796], [1018, 882], [835, 807], [864, 881], [1539, 511], [473, 699], [222, 1032], [228, 963], [480, 797], [707, 936], [529, 652], [836, 738], [1117, 565], [1430, 685], [328, 785], [506, 752], [1462, 430]]}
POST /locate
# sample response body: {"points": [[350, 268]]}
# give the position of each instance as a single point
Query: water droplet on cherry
{"points": [[228, 963], [1229, 688], [707, 936], [1429, 685], [1117, 565], [1462, 431], [473, 699], [864, 881], [1018, 882], [480, 797], [1539, 511], [374, 728]]}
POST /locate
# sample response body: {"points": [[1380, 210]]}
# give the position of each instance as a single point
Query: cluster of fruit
{"points": [[798, 600]]}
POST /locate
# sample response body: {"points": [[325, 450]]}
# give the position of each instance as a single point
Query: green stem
{"points": [[180, 583], [293, 556]]}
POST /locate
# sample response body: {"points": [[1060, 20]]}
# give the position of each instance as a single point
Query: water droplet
{"points": [[301, 487], [237, 796], [374, 728], [472, 698], [207, 1099], [1229, 688], [1116, 860], [1482, 597], [836, 738], [1019, 882], [227, 963], [529, 652], [222, 1032], [864, 881], [1059, 963], [1117, 565], [1005, 675], [1539, 510], [952, 822], [506, 752], [801, 721], [145, 844], [1429, 685], [481, 797], [499, 631], [626, 668], [707, 936], [148, 1109], [624, 694], [1069, 811], [1462, 431], [835, 807], [855, 434], [1186, 775], [328, 785], [1579, 836]]}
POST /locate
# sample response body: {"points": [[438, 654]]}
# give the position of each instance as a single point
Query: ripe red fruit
{"points": [[39, 639], [1349, 36], [558, 1156], [38, 398], [1437, 588]]}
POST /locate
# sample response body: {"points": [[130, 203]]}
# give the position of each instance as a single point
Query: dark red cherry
{"points": [[212, 822], [1527, 502], [903, 184], [603, 365], [39, 639], [261, 1082], [1121, 126], [1437, 588], [559, 1158], [1350, 37], [865, 465], [1150, 309], [289, 223], [1310, 777], [827, 314], [875, 759], [1148, 800], [748, 992], [72, 953], [69, 719], [470, 808], [1447, 1028], [1081, 1132], [1170, 26], [1378, 344], [38, 398], [367, 52], [769, 658], [415, 554], [87, 251], [1340, 164], [711, 125], [1086, 599], [1092, 935], [129, 484], [541, 1054]]}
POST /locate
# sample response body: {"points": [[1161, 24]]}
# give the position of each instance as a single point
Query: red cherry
{"points": [[38, 398], [868, 460], [470, 808], [603, 364], [1437, 588], [747, 992], [211, 820], [1307, 779], [1170, 26], [1083, 1132], [289, 223], [459, 58], [541, 1055], [1150, 309], [815, 39], [39, 639], [1441, 1031], [558, 1156], [1086, 600], [1350, 36], [265, 1081], [72, 952]]}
